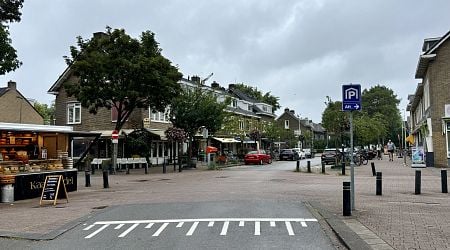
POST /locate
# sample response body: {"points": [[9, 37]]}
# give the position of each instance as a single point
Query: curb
{"points": [[347, 236]]}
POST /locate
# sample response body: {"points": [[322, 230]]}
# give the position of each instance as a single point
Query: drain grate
{"points": [[164, 179], [278, 180], [222, 177]]}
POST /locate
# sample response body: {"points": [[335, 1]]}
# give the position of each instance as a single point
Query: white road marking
{"points": [[160, 229], [225, 228], [192, 229], [96, 231], [89, 227], [257, 228], [128, 230], [289, 228], [211, 221]]}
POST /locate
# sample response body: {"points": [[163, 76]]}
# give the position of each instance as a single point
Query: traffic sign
{"points": [[351, 97], [115, 135]]}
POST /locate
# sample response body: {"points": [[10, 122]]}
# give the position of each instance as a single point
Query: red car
{"points": [[257, 157]]}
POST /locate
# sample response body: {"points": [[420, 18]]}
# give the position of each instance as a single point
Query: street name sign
{"points": [[351, 97]]}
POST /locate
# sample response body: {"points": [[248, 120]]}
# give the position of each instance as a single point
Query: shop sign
{"points": [[53, 189]]}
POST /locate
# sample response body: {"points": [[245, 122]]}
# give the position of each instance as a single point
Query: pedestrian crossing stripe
{"points": [[195, 222]]}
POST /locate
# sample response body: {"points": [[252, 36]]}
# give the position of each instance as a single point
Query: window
{"points": [[74, 113], [249, 107], [156, 116], [234, 103], [265, 108], [241, 125], [286, 124]]}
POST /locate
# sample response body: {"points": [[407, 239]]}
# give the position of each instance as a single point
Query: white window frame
{"points": [[156, 116], [286, 124], [241, 125], [76, 109]]}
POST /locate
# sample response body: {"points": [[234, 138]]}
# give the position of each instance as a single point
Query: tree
{"points": [[9, 12], [258, 95], [140, 142], [334, 120], [381, 101], [196, 108], [115, 70], [45, 111], [120, 72]]}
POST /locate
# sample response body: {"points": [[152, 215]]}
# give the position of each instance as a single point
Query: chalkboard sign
{"points": [[54, 188]]}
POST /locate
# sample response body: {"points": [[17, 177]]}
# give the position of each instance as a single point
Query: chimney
{"points": [[195, 79], [231, 86], [12, 85], [286, 110], [215, 85], [99, 34], [292, 112]]}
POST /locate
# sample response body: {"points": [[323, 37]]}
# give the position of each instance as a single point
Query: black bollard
{"points": [[323, 167], [297, 169], [343, 168], [105, 179], [164, 167], [374, 173], [418, 181], [309, 166], [346, 199], [87, 175], [444, 181], [379, 184]]}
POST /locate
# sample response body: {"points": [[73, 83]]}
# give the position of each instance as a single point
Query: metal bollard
{"points": [[323, 167], [444, 181], [164, 167], [418, 181], [297, 169], [309, 166], [374, 173], [346, 199], [379, 184], [105, 178], [343, 168], [87, 175]]}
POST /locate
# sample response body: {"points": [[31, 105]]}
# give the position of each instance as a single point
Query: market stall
{"points": [[28, 153]]}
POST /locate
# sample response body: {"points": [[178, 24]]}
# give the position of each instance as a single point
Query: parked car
{"points": [[301, 153], [330, 155], [289, 154], [257, 157], [308, 153]]}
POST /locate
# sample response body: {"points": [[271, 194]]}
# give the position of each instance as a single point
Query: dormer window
{"points": [[234, 103], [249, 107]]}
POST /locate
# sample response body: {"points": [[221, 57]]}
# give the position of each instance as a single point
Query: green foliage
{"points": [[45, 111], [139, 142], [9, 12], [381, 102], [195, 108], [115, 70], [258, 95], [333, 119]]}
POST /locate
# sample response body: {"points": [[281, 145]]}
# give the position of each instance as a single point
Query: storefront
{"points": [[28, 153]]}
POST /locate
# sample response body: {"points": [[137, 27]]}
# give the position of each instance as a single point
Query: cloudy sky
{"points": [[299, 50]]}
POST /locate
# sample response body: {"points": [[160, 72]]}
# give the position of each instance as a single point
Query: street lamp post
{"points": [[299, 133]]}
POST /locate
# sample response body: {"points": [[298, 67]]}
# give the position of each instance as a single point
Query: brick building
{"points": [[16, 108], [429, 106]]}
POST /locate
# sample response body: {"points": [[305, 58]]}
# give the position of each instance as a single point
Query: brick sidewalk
{"points": [[400, 218]]}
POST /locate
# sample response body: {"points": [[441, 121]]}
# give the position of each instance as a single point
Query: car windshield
{"points": [[253, 152]]}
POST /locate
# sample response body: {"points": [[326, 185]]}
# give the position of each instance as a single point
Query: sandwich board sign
{"points": [[351, 97], [54, 188]]}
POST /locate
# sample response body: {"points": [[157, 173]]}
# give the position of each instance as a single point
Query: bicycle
{"points": [[361, 159]]}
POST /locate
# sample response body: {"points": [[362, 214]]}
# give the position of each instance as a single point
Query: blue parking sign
{"points": [[351, 97]]}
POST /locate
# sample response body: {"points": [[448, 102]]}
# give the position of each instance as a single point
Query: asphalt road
{"points": [[203, 225]]}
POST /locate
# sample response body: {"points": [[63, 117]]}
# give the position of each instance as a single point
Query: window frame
{"points": [[72, 119]]}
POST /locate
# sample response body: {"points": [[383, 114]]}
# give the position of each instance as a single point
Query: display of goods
{"points": [[7, 179]]}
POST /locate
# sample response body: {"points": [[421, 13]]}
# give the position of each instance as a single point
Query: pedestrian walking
{"points": [[391, 147]]}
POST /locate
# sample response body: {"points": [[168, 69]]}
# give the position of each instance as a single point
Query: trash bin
{"points": [[7, 193], [7, 188], [193, 163]]}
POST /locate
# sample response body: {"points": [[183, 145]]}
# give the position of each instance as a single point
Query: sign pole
{"points": [[352, 164]]}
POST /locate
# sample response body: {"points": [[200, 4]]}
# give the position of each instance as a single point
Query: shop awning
{"points": [[35, 127], [107, 133], [226, 140], [158, 132]]}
